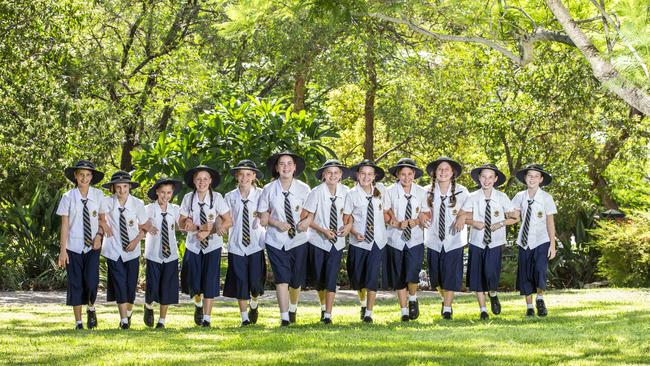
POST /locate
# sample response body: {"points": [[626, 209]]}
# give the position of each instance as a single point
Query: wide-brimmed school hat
{"points": [[189, 176], [87, 165], [455, 166], [273, 160], [405, 163], [521, 174], [379, 172], [121, 176], [151, 193], [333, 163], [247, 165], [476, 172]]}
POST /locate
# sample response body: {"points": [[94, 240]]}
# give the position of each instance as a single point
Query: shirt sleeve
{"points": [[105, 205], [549, 205], [185, 205], [468, 206], [222, 206], [385, 198], [507, 204], [263, 203], [64, 206], [141, 213], [311, 203], [516, 202], [348, 206]]}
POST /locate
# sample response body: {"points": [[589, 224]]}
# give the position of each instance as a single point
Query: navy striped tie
{"points": [[164, 236], [524, 233], [204, 220], [124, 234], [441, 219], [288, 215], [87, 230], [370, 222], [245, 225], [406, 235], [333, 219], [487, 231]]}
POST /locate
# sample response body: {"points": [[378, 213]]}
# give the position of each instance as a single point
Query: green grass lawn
{"points": [[588, 327]]}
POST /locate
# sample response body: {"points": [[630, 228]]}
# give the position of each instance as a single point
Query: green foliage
{"points": [[29, 242], [625, 249]]}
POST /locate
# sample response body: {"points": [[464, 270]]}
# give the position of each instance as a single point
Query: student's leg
{"points": [[401, 297], [329, 301], [282, 292], [294, 296], [480, 296], [372, 295], [77, 312]]}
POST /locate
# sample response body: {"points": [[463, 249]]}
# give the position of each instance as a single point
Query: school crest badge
{"points": [[417, 210], [131, 223], [297, 208], [454, 212], [540, 214], [94, 213], [255, 214], [341, 211], [211, 217], [496, 213]]}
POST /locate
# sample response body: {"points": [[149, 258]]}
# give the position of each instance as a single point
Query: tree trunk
{"points": [[602, 69], [371, 91], [299, 92]]}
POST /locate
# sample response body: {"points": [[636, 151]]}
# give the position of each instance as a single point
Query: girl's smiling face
{"points": [[444, 172], [245, 177], [202, 181], [366, 176], [406, 176], [165, 193], [83, 177], [121, 190], [533, 179], [487, 178], [332, 175], [285, 166]]}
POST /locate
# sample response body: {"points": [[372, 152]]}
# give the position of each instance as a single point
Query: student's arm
{"points": [[390, 218], [511, 219], [550, 227], [135, 241], [281, 225], [306, 220], [264, 218], [103, 224], [469, 220], [185, 224], [348, 220], [63, 253], [226, 223], [459, 223]]}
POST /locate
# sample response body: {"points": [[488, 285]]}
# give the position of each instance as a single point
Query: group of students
{"points": [[304, 233]]}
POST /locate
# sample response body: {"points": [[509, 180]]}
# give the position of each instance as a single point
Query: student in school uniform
{"points": [[444, 233], [327, 232], [280, 209], [205, 216], [365, 213], [81, 238], [127, 221], [536, 237], [161, 250], [246, 274], [405, 250], [488, 212]]}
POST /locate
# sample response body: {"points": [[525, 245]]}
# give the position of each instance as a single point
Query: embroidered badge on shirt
{"points": [[454, 211], [496, 213], [417, 210], [94, 213], [540, 214], [341, 210], [131, 223], [255, 214], [210, 217], [297, 208]]}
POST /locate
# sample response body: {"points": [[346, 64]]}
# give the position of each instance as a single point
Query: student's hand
{"points": [[283, 226], [478, 225], [345, 230], [63, 259], [132, 245], [202, 234], [208, 226], [360, 237], [221, 230], [425, 223], [303, 226], [150, 227], [551, 252], [190, 227], [403, 224], [108, 231], [497, 226], [329, 234], [97, 243]]}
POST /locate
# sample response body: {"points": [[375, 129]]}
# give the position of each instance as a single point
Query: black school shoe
{"points": [[148, 317], [484, 315], [246, 322], [292, 316], [160, 326], [198, 315], [541, 307], [205, 324], [285, 323], [367, 319], [363, 312], [327, 320], [414, 310], [530, 312], [322, 315], [91, 319], [79, 326], [253, 314], [124, 326], [405, 318], [495, 304]]}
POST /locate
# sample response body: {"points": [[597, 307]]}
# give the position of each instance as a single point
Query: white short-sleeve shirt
{"points": [[257, 233], [356, 204], [542, 206], [431, 237], [319, 202], [499, 205], [72, 206], [272, 201], [135, 215], [398, 203], [153, 243], [212, 210]]}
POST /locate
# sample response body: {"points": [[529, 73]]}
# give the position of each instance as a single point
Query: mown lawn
{"points": [[587, 327]]}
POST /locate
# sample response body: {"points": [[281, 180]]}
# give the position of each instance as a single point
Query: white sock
{"points": [[540, 297], [79, 322], [405, 311], [413, 297], [364, 303], [446, 309], [293, 308], [530, 306], [244, 315], [125, 320], [368, 312], [206, 318], [323, 307], [161, 320], [129, 313], [327, 316], [493, 293], [483, 309], [91, 308], [284, 316], [148, 306], [253, 304]]}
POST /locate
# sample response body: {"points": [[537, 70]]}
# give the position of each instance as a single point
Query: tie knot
{"points": [[163, 214], [244, 202], [201, 204], [333, 199], [487, 200], [408, 197], [530, 202], [442, 198], [369, 198], [122, 209], [84, 201], [286, 194]]}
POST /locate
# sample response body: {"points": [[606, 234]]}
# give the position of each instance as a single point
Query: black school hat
{"points": [[408, 163], [332, 163], [432, 166], [87, 165], [273, 160], [121, 176], [379, 172], [521, 174], [151, 193], [476, 172], [247, 165], [189, 176]]}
